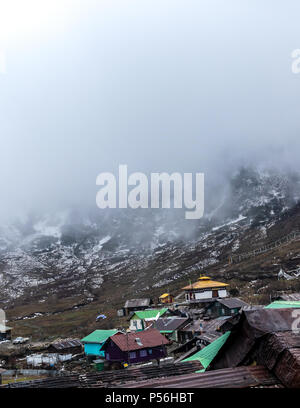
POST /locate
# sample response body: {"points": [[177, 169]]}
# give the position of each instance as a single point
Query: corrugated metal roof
{"points": [[194, 326], [282, 304], [280, 352], [137, 303], [267, 337], [139, 340], [99, 336], [149, 314], [210, 337], [232, 303], [239, 377], [109, 378], [270, 320], [208, 353], [169, 323], [214, 324], [290, 297], [66, 344]]}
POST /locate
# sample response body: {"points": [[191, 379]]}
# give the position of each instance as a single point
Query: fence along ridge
{"points": [[256, 252]]}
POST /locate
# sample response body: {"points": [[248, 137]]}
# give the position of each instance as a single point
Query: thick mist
{"points": [[160, 85]]}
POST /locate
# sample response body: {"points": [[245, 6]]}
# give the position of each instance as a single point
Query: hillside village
{"points": [[199, 337]]}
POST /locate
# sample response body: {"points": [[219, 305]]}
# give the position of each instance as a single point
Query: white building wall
{"points": [[222, 293], [203, 295], [136, 325]]}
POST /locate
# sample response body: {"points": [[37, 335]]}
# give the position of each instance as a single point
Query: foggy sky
{"points": [[159, 85]]}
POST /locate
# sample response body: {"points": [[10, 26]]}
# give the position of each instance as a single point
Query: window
{"points": [[150, 351], [143, 353], [223, 311], [107, 356], [132, 355]]}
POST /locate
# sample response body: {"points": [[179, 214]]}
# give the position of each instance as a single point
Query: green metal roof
{"points": [[149, 314], [99, 336], [208, 353], [166, 331], [282, 304]]}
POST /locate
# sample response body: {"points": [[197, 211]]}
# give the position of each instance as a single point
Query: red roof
{"points": [[139, 340]]}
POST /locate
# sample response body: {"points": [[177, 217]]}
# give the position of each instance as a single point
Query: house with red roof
{"points": [[139, 347]]}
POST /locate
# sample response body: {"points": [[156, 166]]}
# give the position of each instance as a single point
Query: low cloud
{"points": [[183, 86]]}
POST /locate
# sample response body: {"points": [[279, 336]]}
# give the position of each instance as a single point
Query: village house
{"points": [[5, 332], [170, 326], [133, 305], [94, 341], [198, 334], [190, 331], [225, 307], [132, 348], [166, 298], [212, 330], [142, 319], [205, 290]]}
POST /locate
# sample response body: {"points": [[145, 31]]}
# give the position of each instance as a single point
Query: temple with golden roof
{"points": [[204, 289]]}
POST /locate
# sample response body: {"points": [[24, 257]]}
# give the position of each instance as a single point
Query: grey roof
{"points": [[137, 303], [294, 297], [215, 324], [206, 300], [232, 303], [170, 323], [193, 326], [263, 321], [253, 307], [66, 344], [210, 337], [237, 377]]}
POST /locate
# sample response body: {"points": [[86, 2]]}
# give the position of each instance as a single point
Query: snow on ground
{"points": [[240, 218]]}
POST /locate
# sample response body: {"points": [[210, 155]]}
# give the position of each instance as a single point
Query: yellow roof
{"points": [[205, 284], [164, 295]]}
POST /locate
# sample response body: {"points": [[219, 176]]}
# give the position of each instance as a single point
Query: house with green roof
{"points": [[208, 353], [94, 341], [282, 304], [142, 318]]}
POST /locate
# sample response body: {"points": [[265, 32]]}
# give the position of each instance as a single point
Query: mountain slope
{"points": [[77, 264]]}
